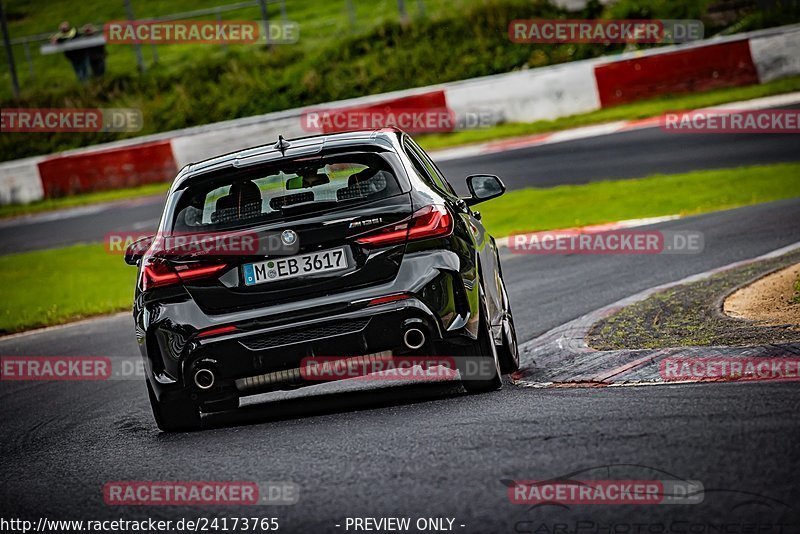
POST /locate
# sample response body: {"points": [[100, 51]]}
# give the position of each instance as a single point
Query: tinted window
{"points": [[424, 164], [284, 189], [422, 172]]}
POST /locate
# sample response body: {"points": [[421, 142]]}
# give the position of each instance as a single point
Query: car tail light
{"points": [[430, 221], [218, 331], [157, 272], [425, 223]]}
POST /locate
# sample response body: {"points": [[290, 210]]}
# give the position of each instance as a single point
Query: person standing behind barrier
{"points": [[95, 54], [78, 58]]}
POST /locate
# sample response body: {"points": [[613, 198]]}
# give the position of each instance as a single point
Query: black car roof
{"points": [[297, 147]]}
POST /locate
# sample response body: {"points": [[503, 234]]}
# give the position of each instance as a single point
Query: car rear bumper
{"points": [[271, 344]]}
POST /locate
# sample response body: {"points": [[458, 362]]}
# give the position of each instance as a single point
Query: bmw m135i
{"points": [[349, 245]]}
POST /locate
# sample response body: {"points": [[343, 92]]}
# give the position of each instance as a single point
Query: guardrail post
{"points": [[31, 72], [283, 10], [263, 5], [219, 21], [265, 18], [137, 48], [12, 68], [401, 8], [351, 14]]}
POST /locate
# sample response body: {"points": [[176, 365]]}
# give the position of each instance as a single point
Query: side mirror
{"points": [[135, 251], [483, 187]]}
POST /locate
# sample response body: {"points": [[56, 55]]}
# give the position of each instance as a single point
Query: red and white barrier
{"points": [[776, 56], [20, 182], [681, 71], [114, 168], [521, 96], [529, 95]]}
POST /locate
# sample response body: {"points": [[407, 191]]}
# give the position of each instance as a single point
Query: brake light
{"points": [[156, 272], [218, 331], [426, 223], [430, 221]]}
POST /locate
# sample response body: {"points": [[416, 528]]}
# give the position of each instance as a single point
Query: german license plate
{"points": [[304, 264]]}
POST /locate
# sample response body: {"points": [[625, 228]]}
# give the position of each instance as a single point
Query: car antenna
{"points": [[282, 145]]}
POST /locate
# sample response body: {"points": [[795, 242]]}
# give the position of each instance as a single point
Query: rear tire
{"points": [[175, 416], [482, 348], [508, 352]]}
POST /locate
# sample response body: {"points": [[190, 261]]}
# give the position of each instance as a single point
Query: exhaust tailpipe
{"points": [[414, 338], [204, 378]]}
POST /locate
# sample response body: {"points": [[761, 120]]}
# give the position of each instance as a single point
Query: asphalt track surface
{"points": [[618, 156], [431, 450]]}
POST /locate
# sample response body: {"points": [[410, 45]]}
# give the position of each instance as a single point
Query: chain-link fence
{"points": [[27, 59]]}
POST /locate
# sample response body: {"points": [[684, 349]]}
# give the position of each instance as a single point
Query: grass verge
{"points": [[51, 204], [346, 49], [688, 315], [796, 296], [637, 110], [568, 206], [55, 286]]}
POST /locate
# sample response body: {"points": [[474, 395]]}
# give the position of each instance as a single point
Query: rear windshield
{"points": [[284, 189]]}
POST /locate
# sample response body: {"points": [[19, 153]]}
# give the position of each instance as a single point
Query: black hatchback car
{"points": [[363, 250]]}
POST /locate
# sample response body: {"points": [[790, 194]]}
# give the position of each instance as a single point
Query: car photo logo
{"points": [[289, 237]]}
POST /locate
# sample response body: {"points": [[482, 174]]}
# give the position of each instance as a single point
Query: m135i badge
{"points": [[366, 222]]}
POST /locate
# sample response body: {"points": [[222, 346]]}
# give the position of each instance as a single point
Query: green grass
{"points": [[568, 206], [192, 84], [796, 296], [637, 110], [201, 84], [322, 21], [55, 286], [83, 200], [49, 287]]}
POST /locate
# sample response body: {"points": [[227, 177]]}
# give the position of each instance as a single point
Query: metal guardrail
{"points": [[39, 37], [73, 44]]}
